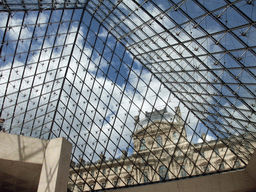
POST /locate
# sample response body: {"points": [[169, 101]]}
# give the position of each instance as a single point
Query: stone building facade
{"points": [[162, 151]]}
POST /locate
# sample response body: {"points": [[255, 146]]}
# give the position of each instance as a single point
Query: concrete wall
{"points": [[30, 164], [236, 181], [225, 182]]}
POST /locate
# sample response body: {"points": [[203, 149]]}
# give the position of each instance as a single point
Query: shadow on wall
{"points": [[30, 164]]}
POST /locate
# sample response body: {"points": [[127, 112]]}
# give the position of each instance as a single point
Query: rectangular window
{"points": [[80, 187], [143, 144], [128, 167], [116, 183], [146, 177], [237, 164], [183, 172], [104, 171], [247, 145], [92, 173], [129, 181], [143, 159], [116, 169], [206, 169], [222, 166], [217, 151], [202, 154], [179, 153]]}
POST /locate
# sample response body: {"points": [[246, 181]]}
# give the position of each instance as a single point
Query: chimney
{"points": [[137, 119]]}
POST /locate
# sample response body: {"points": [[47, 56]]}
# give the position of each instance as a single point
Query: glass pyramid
{"points": [[102, 73]]}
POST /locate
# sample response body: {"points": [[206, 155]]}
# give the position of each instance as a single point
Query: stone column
{"points": [[55, 169]]}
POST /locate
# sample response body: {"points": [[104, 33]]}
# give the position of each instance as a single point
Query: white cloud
{"points": [[208, 138]]}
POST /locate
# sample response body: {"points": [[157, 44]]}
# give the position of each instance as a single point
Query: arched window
{"points": [[183, 172], [175, 137], [222, 167], [237, 164], [80, 186], [92, 186], [206, 169], [128, 168], [179, 153], [247, 145], [146, 177], [163, 173], [159, 140], [202, 154], [103, 183], [71, 188], [115, 182], [142, 144], [217, 152], [129, 181]]}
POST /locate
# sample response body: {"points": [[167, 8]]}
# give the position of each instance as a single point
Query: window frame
{"points": [[115, 182], [159, 141], [175, 136], [129, 181], [145, 177], [183, 171], [128, 167], [163, 173], [143, 144], [221, 166]]}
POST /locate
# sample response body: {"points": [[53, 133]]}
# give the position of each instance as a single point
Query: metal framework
{"points": [[84, 70]]}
